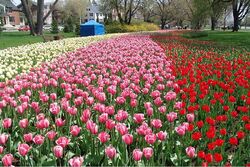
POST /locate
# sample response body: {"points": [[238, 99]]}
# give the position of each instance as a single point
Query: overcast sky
{"points": [[19, 1]]}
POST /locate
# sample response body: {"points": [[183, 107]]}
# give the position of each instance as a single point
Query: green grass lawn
{"points": [[228, 39], [12, 39]]}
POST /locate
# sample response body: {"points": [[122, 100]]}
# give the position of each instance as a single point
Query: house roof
{"points": [[8, 4]]}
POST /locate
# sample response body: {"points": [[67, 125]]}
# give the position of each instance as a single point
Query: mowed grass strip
{"points": [[13, 39], [240, 40]]}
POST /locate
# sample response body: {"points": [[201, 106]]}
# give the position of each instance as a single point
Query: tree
{"points": [[217, 8], [163, 11], [125, 9], [38, 28], [147, 9], [240, 10], [75, 9], [54, 27]]}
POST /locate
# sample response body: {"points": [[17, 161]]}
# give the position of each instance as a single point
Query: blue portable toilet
{"points": [[91, 28]]}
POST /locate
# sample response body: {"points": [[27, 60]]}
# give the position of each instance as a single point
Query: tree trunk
{"points": [[236, 24], [163, 24], [40, 12], [213, 23], [28, 15]]}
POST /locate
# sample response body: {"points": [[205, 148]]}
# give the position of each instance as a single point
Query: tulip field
{"points": [[130, 100]]}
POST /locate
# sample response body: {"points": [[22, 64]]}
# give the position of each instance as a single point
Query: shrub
{"points": [[116, 27], [54, 27], [77, 29]]}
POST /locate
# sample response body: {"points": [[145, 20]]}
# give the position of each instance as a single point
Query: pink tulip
{"points": [[161, 135], [42, 124], [190, 151], [120, 100], [121, 128], [3, 139], [190, 117], [170, 96], [40, 117], [148, 152], [54, 108], [75, 130], [155, 94], [121, 115], [181, 130], [58, 151], [137, 154], [138, 118], [147, 105], [110, 152], [150, 138], [1, 149], [53, 96], [59, 122], [85, 115], [110, 124], [38, 139], [178, 105], [110, 110], [150, 111], [23, 123], [62, 141], [28, 137], [162, 109], [103, 137], [156, 123], [51, 134], [7, 122], [76, 161], [127, 139], [172, 116], [103, 118], [23, 149], [7, 160]]}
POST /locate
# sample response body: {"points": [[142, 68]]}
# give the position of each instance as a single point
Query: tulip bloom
{"points": [[76, 161], [103, 137], [7, 159], [137, 154], [110, 152], [127, 139], [23, 123], [3, 139], [62, 141], [7, 122], [148, 152], [75, 130], [58, 151], [23, 149], [38, 139], [190, 151]]}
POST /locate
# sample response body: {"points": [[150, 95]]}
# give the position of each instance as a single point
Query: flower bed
{"points": [[20, 59], [109, 103], [215, 91]]}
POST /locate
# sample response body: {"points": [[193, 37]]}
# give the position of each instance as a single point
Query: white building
{"points": [[93, 12]]}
